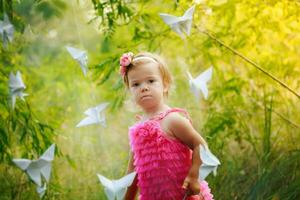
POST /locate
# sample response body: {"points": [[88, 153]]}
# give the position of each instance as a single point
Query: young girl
{"points": [[164, 144]]}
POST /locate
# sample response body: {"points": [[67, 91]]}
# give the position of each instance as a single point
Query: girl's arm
{"points": [[191, 181], [182, 129], [131, 190]]}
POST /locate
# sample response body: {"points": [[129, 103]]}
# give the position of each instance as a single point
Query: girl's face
{"points": [[146, 85]]}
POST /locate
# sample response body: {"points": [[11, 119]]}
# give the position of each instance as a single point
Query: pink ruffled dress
{"points": [[161, 162]]}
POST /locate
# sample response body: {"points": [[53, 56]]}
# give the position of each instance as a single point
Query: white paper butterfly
{"points": [[200, 83], [94, 115], [116, 189], [37, 168], [6, 30], [209, 164], [16, 87], [80, 56], [181, 24]]}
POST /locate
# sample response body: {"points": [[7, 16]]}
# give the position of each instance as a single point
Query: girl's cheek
{"points": [[133, 91]]}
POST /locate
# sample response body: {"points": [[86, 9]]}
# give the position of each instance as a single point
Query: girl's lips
{"points": [[145, 96]]}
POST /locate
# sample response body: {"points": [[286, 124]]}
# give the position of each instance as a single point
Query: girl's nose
{"points": [[144, 88]]}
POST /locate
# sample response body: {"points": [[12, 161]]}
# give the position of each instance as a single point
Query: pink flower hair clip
{"points": [[125, 61]]}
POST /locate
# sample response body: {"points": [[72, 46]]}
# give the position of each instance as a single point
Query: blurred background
{"points": [[250, 121]]}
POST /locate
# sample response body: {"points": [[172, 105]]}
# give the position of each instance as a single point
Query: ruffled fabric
{"points": [[205, 191], [161, 162]]}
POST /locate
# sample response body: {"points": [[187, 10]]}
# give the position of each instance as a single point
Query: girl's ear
{"points": [[166, 88]]}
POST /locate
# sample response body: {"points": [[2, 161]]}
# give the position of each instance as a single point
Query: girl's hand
{"points": [[191, 185]]}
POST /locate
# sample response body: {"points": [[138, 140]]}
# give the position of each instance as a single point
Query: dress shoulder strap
{"points": [[171, 110]]}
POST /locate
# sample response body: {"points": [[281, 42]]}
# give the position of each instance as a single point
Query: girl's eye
{"points": [[135, 85], [151, 81]]}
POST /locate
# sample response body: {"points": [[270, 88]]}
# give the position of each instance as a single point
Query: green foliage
{"points": [[112, 13], [21, 127], [279, 180], [51, 8]]}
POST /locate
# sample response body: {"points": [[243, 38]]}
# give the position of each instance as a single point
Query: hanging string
{"points": [[76, 24], [81, 43]]}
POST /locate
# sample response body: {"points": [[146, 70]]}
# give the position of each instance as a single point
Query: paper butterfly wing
{"points": [[122, 184], [194, 88], [186, 26], [75, 53], [121, 193], [102, 119], [19, 80], [46, 171], [2, 33], [91, 112], [80, 56], [100, 113], [87, 121], [178, 29], [188, 20], [22, 163], [173, 22], [35, 175], [1, 27], [189, 13], [101, 107], [13, 83], [48, 155], [209, 162], [208, 157], [201, 81], [169, 19], [16, 82], [83, 62], [8, 28], [127, 180], [205, 76], [92, 118], [109, 194], [205, 171], [108, 187], [8, 32]]}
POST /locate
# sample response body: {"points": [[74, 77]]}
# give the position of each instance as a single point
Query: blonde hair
{"points": [[163, 68]]}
